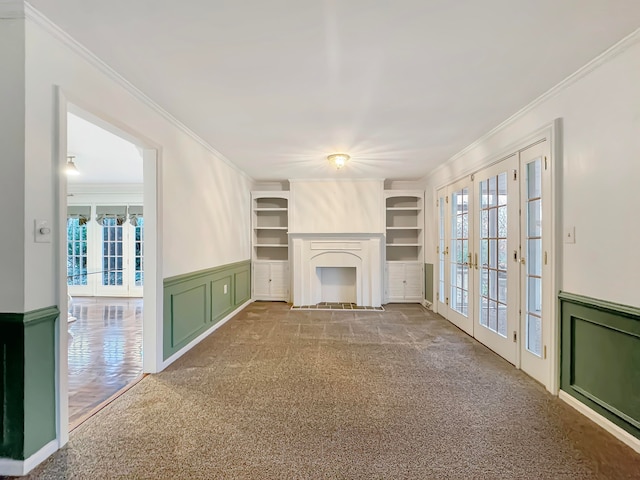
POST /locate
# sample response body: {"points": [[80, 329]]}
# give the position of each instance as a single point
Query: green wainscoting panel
{"points": [[242, 284], [27, 381], [195, 302], [190, 308], [600, 360], [221, 289], [428, 282]]}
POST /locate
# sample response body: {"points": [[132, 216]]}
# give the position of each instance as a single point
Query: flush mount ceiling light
{"points": [[71, 168], [338, 160]]}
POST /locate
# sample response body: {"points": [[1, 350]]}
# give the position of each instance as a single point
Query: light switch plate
{"points": [[42, 231], [570, 235]]}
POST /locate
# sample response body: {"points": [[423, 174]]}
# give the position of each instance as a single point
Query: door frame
{"points": [[152, 295], [552, 132]]}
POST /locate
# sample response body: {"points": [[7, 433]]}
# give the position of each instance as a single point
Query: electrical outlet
{"points": [[224, 289]]}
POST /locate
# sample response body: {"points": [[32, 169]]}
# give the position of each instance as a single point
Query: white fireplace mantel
{"points": [[363, 251]]}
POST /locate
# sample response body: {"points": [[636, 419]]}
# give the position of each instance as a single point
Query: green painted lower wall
{"points": [[195, 302], [27, 382], [600, 359], [428, 282]]}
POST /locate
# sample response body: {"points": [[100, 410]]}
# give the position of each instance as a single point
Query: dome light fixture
{"points": [[338, 160]]}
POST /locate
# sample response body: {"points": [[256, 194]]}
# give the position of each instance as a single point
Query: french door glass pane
{"points": [[459, 282], [493, 254], [441, 254], [139, 252], [533, 249], [112, 252], [76, 252]]}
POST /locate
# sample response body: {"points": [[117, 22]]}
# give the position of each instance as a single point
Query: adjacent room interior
{"points": [[105, 265]]}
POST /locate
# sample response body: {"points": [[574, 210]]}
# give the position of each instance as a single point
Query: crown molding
{"points": [[604, 57], [42, 21], [12, 9], [339, 180]]}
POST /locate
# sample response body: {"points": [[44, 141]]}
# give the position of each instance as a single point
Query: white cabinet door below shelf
{"points": [[413, 281], [395, 281], [261, 276], [404, 282], [279, 280], [271, 280]]}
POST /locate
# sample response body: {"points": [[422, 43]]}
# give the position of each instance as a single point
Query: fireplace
{"points": [[336, 267], [337, 284]]}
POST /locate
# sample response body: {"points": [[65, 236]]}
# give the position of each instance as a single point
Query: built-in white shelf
{"points": [[404, 280], [270, 219]]}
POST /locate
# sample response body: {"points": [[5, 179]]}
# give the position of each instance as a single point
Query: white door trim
{"points": [[152, 195]]}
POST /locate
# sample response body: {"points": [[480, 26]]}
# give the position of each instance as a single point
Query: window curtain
{"points": [[135, 212], [82, 213], [119, 212]]}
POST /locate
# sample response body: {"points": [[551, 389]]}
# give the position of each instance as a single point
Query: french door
{"points": [[107, 258], [454, 254], [536, 297], [496, 235], [493, 245]]}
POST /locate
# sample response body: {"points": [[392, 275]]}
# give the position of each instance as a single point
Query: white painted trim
{"points": [[622, 435], [203, 335], [43, 22], [604, 57], [62, 334], [22, 467]]}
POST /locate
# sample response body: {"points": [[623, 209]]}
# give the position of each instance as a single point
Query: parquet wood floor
{"points": [[105, 351]]}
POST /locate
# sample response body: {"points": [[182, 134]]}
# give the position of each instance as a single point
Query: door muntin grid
{"points": [[112, 253], [138, 253], [441, 255], [76, 252], [533, 259], [459, 252], [493, 254]]}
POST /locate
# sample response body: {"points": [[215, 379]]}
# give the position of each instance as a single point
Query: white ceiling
{"points": [[402, 86], [101, 156]]}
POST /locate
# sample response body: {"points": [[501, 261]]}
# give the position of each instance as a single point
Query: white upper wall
{"points": [[204, 202], [600, 169], [12, 176], [336, 206]]}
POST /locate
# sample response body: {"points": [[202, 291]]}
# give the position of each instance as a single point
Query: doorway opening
{"points": [[495, 259], [105, 260]]}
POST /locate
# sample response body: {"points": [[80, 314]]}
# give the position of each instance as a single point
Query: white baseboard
{"points": [[18, 468], [608, 425], [201, 337]]}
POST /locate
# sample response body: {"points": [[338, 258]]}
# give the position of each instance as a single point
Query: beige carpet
{"points": [[278, 394]]}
